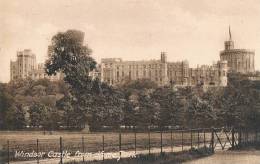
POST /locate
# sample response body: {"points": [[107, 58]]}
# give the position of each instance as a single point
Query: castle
{"points": [[26, 66], [115, 71]]}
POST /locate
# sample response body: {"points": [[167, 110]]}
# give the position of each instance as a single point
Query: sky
{"points": [[193, 30]]}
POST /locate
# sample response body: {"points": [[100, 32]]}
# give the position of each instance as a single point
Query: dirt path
{"points": [[99, 156], [228, 157], [111, 155]]}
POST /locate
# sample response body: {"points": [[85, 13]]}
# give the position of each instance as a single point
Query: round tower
{"points": [[239, 60]]}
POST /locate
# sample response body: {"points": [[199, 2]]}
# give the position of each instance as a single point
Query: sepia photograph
{"points": [[129, 82]]}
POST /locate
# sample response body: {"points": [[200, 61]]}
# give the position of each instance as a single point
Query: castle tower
{"points": [[164, 69], [25, 63], [163, 57], [223, 70], [238, 60]]}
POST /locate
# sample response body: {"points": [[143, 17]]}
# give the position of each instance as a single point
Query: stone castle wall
{"points": [[115, 71]]}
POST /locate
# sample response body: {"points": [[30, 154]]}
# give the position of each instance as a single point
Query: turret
{"points": [[163, 57], [223, 69], [229, 45]]}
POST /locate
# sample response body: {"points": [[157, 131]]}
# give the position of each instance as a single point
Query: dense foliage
{"points": [[50, 105], [28, 102]]}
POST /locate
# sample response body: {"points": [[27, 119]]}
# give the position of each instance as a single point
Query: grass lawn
{"points": [[92, 142]]}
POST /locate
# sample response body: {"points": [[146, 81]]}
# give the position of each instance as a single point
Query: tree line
{"points": [[51, 105]]}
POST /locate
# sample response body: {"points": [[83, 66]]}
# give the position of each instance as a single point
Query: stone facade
{"points": [[115, 71], [26, 67], [239, 60], [39, 73], [25, 63]]}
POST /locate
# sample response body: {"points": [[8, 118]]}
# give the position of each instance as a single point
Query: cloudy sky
{"points": [[131, 29]]}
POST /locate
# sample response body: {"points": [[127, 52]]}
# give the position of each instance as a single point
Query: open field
{"points": [[93, 142], [111, 138]]}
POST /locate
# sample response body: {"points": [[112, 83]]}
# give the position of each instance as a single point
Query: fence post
{"points": [[171, 142], [149, 141], [83, 148], [247, 138], [239, 137], [103, 146], [191, 139], [8, 152], [135, 140], [233, 138], [120, 144], [161, 142], [198, 138], [255, 136], [212, 140], [204, 138], [37, 149], [61, 154], [182, 140]]}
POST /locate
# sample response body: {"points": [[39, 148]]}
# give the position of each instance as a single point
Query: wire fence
{"points": [[102, 146]]}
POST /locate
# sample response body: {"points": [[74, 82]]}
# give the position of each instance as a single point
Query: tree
{"points": [[5, 104], [15, 118], [38, 113], [138, 104], [198, 112], [170, 106], [238, 102], [106, 106], [72, 58]]}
